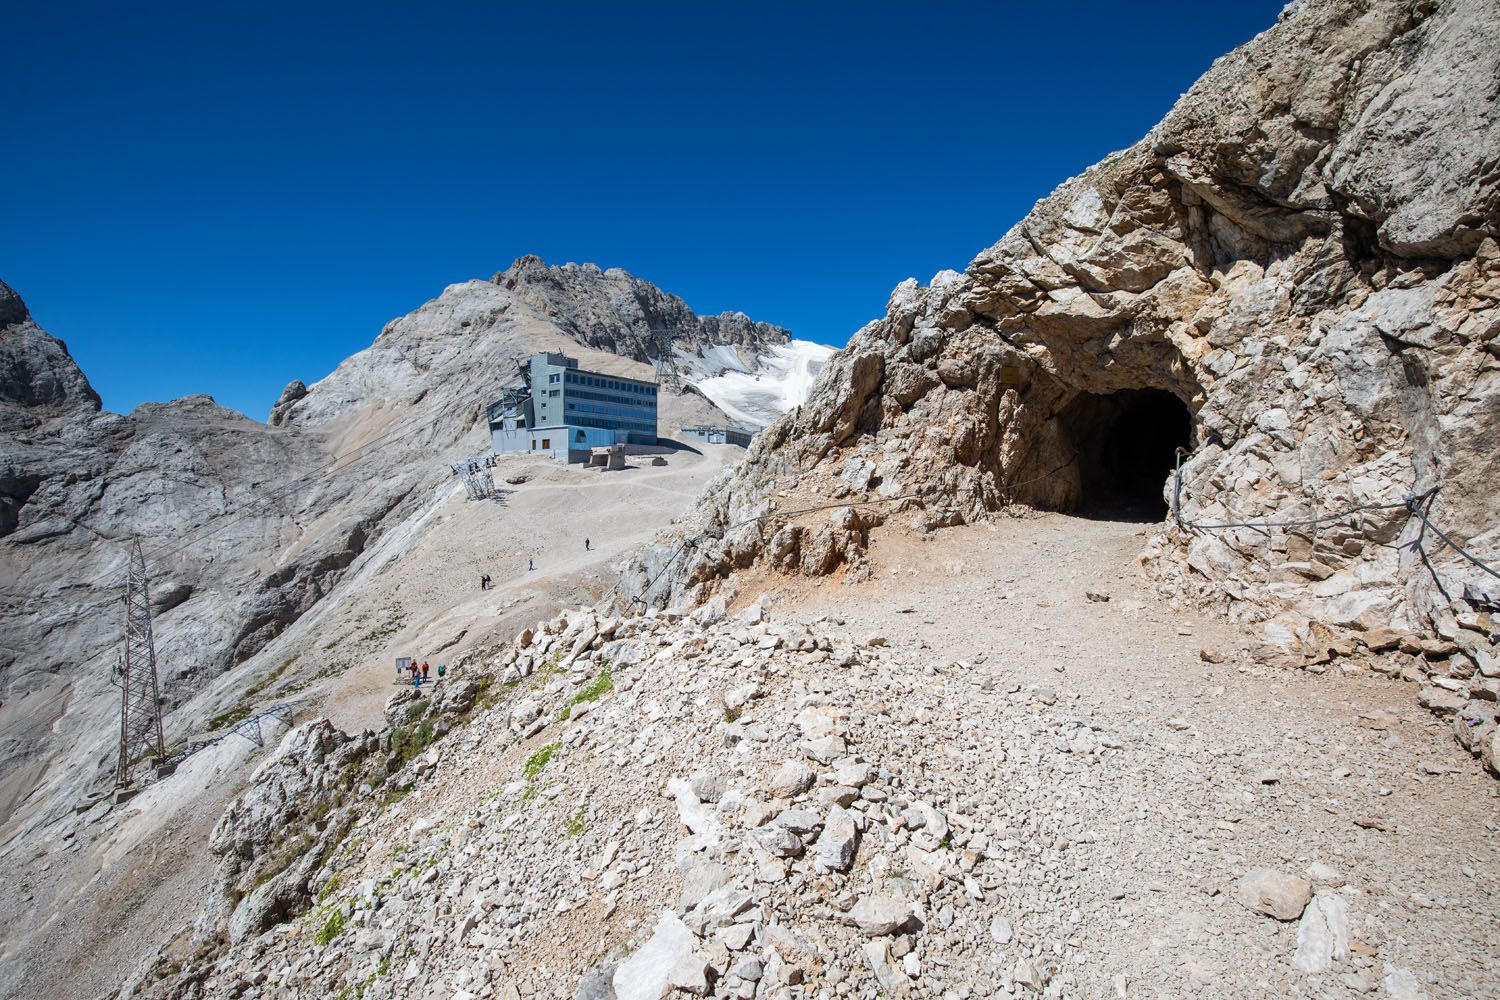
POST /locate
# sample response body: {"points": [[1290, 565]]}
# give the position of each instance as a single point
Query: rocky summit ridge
{"points": [[1301, 260]]}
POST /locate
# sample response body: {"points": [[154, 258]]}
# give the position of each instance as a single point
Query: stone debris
{"points": [[667, 961], [654, 846], [1323, 934]]}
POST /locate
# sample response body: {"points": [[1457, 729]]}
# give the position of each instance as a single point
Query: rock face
{"points": [[38, 377], [610, 310], [1295, 277]]}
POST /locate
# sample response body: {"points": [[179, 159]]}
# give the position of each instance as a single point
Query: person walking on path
{"points": [[585, 545], [416, 683], [441, 670], [424, 670], [530, 565]]}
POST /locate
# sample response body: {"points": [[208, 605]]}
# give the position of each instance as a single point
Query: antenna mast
{"points": [[140, 700]]}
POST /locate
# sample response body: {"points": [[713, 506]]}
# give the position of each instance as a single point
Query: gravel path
{"points": [[1140, 782]]}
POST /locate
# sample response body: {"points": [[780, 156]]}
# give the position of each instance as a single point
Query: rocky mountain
{"points": [[1293, 278], [247, 527], [1015, 756], [615, 312]]}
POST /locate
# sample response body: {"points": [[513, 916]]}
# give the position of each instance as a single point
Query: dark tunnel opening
{"points": [[1125, 444]]}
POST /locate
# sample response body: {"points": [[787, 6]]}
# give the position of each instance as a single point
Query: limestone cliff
{"points": [[1294, 277]]}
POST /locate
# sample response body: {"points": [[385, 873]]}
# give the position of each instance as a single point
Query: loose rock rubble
{"points": [[862, 820]]}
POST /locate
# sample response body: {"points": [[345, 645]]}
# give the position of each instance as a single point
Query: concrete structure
{"points": [[610, 459], [720, 435], [564, 411]]}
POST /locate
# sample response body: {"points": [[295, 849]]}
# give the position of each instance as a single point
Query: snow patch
{"points": [[780, 382]]}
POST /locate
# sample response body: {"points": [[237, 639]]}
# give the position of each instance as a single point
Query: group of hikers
{"points": [[420, 670], [419, 673]]}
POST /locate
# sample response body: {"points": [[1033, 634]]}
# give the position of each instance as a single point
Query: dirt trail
{"points": [[423, 601], [1145, 781]]}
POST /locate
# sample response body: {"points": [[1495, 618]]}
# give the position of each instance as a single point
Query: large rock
{"points": [[667, 961], [877, 915], [834, 849], [1323, 934], [1275, 894]]}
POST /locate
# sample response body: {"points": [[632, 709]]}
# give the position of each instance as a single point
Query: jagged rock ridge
{"points": [[613, 311]]}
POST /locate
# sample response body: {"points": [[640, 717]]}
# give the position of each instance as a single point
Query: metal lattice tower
{"points": [[667, 375], [475, 473], [140, 701]]}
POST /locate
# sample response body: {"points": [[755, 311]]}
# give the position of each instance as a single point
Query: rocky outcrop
{"points": [[610, 310], [295, 389], [38, 377], [1295, 277], [276, 835]]}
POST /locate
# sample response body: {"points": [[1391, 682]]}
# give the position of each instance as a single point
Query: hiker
{"points": [[416, 683], [585, 545], [441, 670], [424, 670], [530, 565]]}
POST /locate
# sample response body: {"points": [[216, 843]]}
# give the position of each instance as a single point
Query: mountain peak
{"points": [[36, 370], [611, 309]]}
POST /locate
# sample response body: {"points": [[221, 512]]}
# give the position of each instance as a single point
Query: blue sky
{"points": [[220, 198]]}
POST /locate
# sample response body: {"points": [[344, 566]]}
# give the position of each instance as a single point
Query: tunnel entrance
{"points": [[1125, 444]]}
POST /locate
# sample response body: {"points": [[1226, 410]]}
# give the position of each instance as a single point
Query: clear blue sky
{"points": [[222, 197]]}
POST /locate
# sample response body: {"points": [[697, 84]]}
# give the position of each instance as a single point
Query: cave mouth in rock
{"points": [[1126, 444]]}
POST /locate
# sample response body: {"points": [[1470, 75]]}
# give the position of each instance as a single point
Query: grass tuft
{"points": [[331, 928], [596, 689]]}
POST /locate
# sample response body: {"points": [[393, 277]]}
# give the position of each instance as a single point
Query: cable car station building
{"points": [[564, 411]]}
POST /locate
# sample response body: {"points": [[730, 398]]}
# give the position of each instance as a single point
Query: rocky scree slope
{"points": [[247, 526], [738, 807], [1302, 262]]}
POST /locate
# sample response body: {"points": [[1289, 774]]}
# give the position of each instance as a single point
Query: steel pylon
{"points": [[667, 375], [140, 700]]}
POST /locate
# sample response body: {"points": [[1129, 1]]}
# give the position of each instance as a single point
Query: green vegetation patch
{"points": [[576, 825], [538, 760], [596, 689], [333, 885], [409, 741], [331, 928]]}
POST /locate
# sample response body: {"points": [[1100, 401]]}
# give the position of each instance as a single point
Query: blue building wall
{"points": [[569, 411]]}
